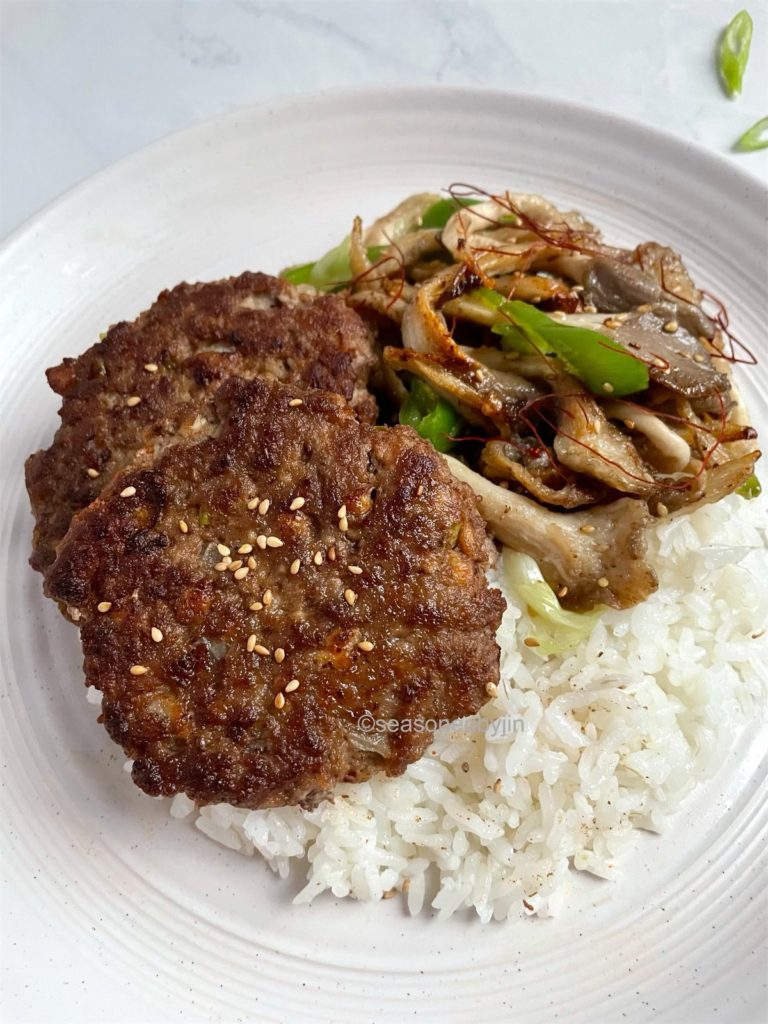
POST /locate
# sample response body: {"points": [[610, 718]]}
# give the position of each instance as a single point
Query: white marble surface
{"points": [[84, 83]]}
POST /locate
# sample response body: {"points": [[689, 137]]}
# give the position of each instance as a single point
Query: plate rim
{"points": [[344, 95], [38, 220]]}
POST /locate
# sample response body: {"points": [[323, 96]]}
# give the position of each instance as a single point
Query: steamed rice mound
{"points": [[573, 754]]}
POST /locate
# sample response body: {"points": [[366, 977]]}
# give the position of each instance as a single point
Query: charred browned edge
{"points": [[396, 619], [172, 357]]}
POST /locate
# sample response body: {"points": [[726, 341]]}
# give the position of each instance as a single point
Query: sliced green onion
{"points": [[751, 488], [429, 415], [203, 518], [605, 366], [438, 215], [753, 138], [330, 271], [299, 274], [733, 52], [556, 629]]}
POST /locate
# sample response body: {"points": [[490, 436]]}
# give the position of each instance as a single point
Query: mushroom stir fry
{"points": [[582, 389]]}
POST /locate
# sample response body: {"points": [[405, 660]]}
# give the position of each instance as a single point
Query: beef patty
{"points": [[253, 601], [151, 381]]}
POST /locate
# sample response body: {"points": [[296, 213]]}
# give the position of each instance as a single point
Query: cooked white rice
{"points": [[573, 754]]}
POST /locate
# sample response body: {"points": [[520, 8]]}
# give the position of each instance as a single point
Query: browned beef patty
{"points": [[151, 381], [251, 601]]}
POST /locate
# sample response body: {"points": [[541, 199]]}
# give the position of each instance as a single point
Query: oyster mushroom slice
{"points": [[424, 327], [715, 482], [599, 555], [499, 243], [667, 267], [531, 367], [491, 221], [482, 396], [587, 442], [677, 359], [616, 287], [674, 448], [405, 217], [500, 462]]}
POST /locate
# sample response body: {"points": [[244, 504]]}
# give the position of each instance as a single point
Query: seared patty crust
{"points": [[252, 601], [151, 381]]}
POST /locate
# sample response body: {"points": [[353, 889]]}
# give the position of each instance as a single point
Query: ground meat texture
{"points": [[152, 380], [365, 597]]}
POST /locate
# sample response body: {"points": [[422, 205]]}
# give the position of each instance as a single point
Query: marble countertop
{"points": [[84, 83]]}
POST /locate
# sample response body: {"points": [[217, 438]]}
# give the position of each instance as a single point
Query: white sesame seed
{"points": [[279, 701], [103, 606], [279, 655], [317, 558], [589, 308], [658, 361], [251, 563], [151, 367], [344, 524], [420, 490], [296, 504], [227, 560], [292, 686], [233, 566], [603, 582], [562, 591], [332, 553], [607, 386], [296, 401], [138, 670], [252, 504], [245, 549], [355, 569], [264, 506], [127, 492], [662, 510], [629, 424], [531, 641], [261, 649], [491, 689], [183, 526], [223, 549], [256, 606], [266, 597], [350, 596], [670, 327], [587, 528], [274, 542], [250, 643], [365, 645], [261, 541], [645, 308], [240, 574], [133, 401], [92, 473], [156, 634], [295, 566], [221, 566], [342, 512]]}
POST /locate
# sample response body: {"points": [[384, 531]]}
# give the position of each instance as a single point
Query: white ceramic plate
{"points": [[113, 911]]}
